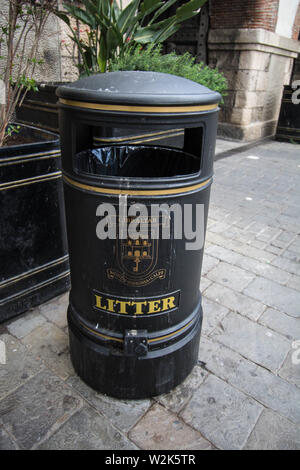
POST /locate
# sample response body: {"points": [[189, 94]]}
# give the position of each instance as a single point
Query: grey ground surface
{"points": [[245, 391]]}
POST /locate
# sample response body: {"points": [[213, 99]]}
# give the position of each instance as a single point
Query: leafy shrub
{"points": [[150, 58], [112, 29]]}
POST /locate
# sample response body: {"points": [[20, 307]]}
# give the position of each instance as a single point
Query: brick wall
{"points": [[251, 14], [296, 28]]}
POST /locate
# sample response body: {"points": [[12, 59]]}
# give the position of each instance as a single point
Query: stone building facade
{"points": [[254, 43]]}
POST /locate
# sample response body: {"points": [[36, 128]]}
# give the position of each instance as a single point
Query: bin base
{"points": [[111, 372]]}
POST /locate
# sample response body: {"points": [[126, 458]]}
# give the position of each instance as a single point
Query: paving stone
{"points": [[259, 244], [282, 323], [210, 223], [258, 228], [294, 282], [242, 248], [274, 249], [217, 213], [290, 369], [252, 252], [240, 220], [295, 245], [231, 276], [56, 310], [35, 408], [6, 442], [222, 414], [20, 365], [122, 413], [281, 245], [87, 430], [267, 216], [204, 283], [26, 324], [254, 341], [282, 298], [286, 236], [161, 429], [261, 269], [287, 265], [223, 254], [235, 301], [273, 432], [219, 227], [268, 234], [208, 263], [292, 198], [178, 398], [212, 314], [51, 345], [262, 385], [291, 224], [291, 255], [243, 236]]}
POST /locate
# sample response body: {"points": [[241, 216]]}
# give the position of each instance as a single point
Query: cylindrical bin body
{"points": [[135, 310]]}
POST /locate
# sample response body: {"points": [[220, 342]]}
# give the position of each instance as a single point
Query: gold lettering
{"points": [[123, 306], [135, 308], [99, 302], [168, 303], [138, 307], [154, 306], [111, 305]]}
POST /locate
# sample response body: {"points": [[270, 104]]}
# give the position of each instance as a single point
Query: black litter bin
{"points": [[135, 310]]}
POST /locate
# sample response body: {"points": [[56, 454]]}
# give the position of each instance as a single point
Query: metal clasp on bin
{"points": [[136, 342]]}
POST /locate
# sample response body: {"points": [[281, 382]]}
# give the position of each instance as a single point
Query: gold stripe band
{"points": [[34, 271], [138, 109], [40, 108], [134, 137], [136, 192], [34, 288], [40, 103], [26, 160], [25, 182], [119, 340], [33, 155], [157, 138], [151, 340]]}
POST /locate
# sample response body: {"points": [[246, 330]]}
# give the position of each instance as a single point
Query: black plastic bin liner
{"points": [[136, 161]]}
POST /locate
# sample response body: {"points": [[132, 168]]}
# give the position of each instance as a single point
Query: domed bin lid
{"points": [[139, 89]]}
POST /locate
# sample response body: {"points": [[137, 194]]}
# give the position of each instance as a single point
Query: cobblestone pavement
{"points": [[245, 391]]}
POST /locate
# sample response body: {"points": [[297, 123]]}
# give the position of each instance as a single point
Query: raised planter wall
{"points": [[39, 108], [33, 247]]}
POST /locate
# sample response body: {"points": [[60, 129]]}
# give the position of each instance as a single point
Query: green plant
{"points": [[151, 58], [12, 129], [112, 29], [22, 25]]}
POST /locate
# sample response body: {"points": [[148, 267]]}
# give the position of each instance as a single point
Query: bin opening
{"points": [[136, 161]]}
